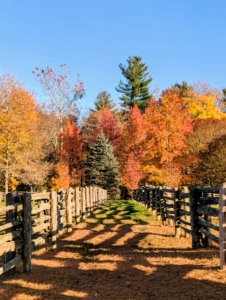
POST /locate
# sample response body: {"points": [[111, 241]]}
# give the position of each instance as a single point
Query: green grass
{"points": [[122, 210]]}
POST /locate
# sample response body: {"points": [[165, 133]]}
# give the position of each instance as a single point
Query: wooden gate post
{"points": [[53, 220], [194, 216], [222, 225], [27, 231]]}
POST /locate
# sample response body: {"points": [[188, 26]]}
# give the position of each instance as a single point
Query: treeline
{"points": [[170, 138]]}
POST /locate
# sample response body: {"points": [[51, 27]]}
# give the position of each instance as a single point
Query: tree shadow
{"points": [[109, 262]]}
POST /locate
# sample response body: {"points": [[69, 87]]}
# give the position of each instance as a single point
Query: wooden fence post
{"points": [[88, 201], [186, 208], [77, 205], [91, 197], [83, 203], [68, 210], [160, 206], [194, 217], [27, 231], [207, 240], [177, 214], [154, 202], [10, 217], [94, 197], [53, 224], [222, 225]]}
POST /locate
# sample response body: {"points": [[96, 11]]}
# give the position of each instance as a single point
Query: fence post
{"points": [[186, 208], [91, 197], [77, 205], [68, 210], [222, 225], [194, 217], [53, 224], [27, 231], [207, 241], [160, 206], [177, 213], [83, 203], [10, 217], [88, 200]]}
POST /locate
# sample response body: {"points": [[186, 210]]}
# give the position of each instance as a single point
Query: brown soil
{"points": [[117, 260]]}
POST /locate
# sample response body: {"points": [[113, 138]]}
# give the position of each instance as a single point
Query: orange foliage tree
{"points": [[130, 149], [168, 124], [61, 178]]}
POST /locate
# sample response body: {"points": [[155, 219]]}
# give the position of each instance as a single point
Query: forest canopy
{"points": [[175, 138]]}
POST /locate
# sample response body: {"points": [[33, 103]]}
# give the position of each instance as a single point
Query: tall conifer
{"points": [[136, 88]]}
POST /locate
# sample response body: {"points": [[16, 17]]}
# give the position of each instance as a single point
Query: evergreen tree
{"points": [[101, 167], [136, 89], [103, 100], [182, 88]]}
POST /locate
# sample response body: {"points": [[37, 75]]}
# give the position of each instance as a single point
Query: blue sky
{"points": [[177, 39]]}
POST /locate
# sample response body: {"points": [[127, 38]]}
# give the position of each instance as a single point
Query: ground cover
{"points": [[121, 252]]}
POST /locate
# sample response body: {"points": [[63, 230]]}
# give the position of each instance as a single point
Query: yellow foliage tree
{"points": [[18, 119], [203, 102]]}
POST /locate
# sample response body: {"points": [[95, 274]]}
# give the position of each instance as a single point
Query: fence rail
{"points": [[32, 219], [198, 212]]}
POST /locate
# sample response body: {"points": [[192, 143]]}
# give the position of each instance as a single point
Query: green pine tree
{"points": [[136, 89], [182, 88], [101, 167], [103, 100]]}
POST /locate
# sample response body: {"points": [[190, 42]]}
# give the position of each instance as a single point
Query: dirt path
{"points": [[116, 255]]}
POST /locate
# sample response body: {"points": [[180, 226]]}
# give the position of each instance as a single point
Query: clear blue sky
{"points": [[177, 39]]}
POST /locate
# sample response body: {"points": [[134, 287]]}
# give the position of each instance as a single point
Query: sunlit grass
{"points": [[124, 211]]}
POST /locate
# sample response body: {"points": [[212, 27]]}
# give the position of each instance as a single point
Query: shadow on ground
{"points": [[120, 252]]}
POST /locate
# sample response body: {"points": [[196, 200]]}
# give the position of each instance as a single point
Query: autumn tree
{"points": [[72, 153], [101, 121], [131, 173], [203, 102], [168, 123], [18, 123], [130, 149], [106, 123], [101, 167], [62, 91], [205, 131], [210, 169], [61, 177], [136, 89]]}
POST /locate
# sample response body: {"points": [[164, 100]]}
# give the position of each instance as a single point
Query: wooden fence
{"points": [[32, 219], [196, 212]]}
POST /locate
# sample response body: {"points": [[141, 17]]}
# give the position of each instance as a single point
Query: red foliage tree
{"points": [[130, 149], [132, 172], [107, 124], [71, 152]]}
